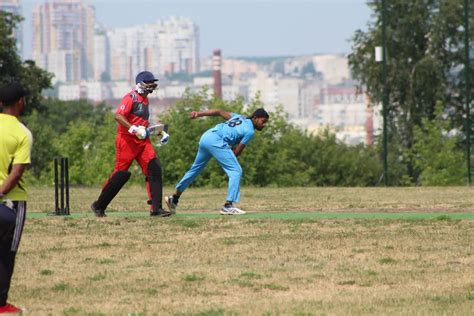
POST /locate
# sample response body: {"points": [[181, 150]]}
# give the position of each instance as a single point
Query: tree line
{"points": [[425, 116], [426, 85], [280, 155]]}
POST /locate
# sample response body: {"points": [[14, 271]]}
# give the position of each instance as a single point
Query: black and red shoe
{"points": [[160, 213], [10, 309], [98, 212]]}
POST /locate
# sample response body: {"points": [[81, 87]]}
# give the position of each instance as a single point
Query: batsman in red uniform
{"points": [[133, 143]]}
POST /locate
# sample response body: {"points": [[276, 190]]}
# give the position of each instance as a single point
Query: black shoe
{"points": [[97, 212], [160, 213]]}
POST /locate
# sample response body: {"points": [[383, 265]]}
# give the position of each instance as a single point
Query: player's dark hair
{"points": [[260, 113], [7, 104], [11, 93]]}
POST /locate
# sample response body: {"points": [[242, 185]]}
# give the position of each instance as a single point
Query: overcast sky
{"points": [[242, 27]]}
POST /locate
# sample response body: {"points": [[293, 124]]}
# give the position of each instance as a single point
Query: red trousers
{"points": [[129, 148]]}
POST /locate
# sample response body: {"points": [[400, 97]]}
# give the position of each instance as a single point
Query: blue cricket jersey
{"points": [[238, 129]]}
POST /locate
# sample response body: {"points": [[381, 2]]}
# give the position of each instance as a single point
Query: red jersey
{"points": [[134, 108]]}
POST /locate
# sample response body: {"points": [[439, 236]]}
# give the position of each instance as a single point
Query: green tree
{"points": [[280, 155], [436, 153], [43, 151], [101, 151], [35, 80], [59, 114], [90, 148], [13, 69], [424, 53], [56, 127], [179, 154]]}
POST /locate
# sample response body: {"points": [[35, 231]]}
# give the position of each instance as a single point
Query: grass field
{"points": [[299, 251]]}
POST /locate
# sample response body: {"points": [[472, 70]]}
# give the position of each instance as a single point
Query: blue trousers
{"points": [[212, 145], [11, 227]]}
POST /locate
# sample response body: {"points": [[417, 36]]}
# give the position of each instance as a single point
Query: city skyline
{"points": [[321, 26], [99, 63]]}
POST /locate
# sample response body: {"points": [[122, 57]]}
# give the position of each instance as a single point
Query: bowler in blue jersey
{"points": [[225, 142]]}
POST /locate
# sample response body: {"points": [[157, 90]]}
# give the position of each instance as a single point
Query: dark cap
{"points": [[145, 76], [260, 113], [12, 92]]}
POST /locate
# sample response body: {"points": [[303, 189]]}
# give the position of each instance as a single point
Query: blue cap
{"points": [[145, 76]]}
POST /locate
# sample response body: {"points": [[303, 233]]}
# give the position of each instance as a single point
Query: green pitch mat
{"points": [[286, 216]]}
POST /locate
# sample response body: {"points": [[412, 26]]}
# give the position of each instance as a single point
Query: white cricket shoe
{"points": [[171, 203], [231, 210]]}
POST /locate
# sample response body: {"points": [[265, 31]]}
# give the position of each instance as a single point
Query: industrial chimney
{"points": [[216, 67]]}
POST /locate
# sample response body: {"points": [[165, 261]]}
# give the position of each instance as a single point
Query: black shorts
{"points": [[12, 221]]}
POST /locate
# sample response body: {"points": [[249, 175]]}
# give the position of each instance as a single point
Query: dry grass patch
{"points": [[406, 199], [239, 266]]}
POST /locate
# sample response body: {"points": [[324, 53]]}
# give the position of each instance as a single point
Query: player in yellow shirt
{"points": [[15, 156]]}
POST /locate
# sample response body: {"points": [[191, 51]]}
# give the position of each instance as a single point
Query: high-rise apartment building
{"points": [[63, 39], [276, 90], [101, 54], [179, 45], [14, 6], [334, 68], [168, 46]]}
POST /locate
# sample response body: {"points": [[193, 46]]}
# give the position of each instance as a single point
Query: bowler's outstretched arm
{"points": [[214, 112]]}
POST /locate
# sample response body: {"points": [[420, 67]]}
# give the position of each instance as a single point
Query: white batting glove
{"points": [[140, 131], [133, 129], [163, 137]]}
